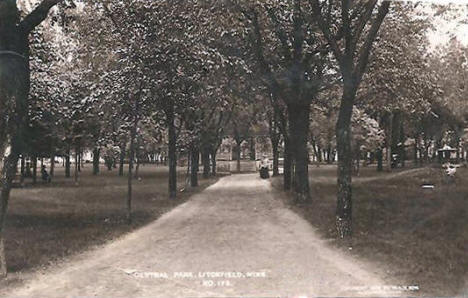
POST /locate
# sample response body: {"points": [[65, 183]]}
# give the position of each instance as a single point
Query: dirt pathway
{"points": [[233, 239]]}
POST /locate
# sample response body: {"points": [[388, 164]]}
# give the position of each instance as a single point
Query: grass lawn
{"points": [[48, 222], [415, 235]]}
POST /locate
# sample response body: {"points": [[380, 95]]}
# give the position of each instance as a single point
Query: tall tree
{"points": [[292, 59], [399, 84], [14, 90], [350, 29]]}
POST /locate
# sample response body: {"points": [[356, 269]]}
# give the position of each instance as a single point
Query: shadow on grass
{"points": [[416, 235], [47, 223]]}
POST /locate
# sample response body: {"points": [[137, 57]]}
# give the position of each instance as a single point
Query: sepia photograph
{"points": [[233, 148]]}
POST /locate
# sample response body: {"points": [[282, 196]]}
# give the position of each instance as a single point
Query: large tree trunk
{"points": [[389, 142], [402, 142], [121, 160], [130, 169], [329, 159], [425, 152], [3, 265], [67, 163], [195, 161], [416, 148], [314, 147], [213, 161], [298, 133], [8, 173], [435, 153], [14, 90], [379, 155], [287, 166], [96, 157], [172, 154], [396, 138], [275, 145], [23, 163], [34, 165], [52, 163], [252, 149], [137, 167], [136, 159], [292, 150], [206, 162], [238, 156], [345, 164], [77, 162]]}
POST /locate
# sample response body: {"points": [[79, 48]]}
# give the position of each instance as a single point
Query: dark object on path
{"points": [[45, 175], [264, 174], [264, 167]]}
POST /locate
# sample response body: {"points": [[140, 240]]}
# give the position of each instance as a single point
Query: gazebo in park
{"points": [[446, 153]]}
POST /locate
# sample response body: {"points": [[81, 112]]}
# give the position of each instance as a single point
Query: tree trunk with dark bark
{"points": [[206, 162], [52, 164], [352, 50], [314, 147], [96, 157], [402, 142], [275, 136], [14, 90], [275, 145], [329, 159], [238, 156], [389, 142], [76, 165], [121, 160], [137, 167], [172, 153], [67, 163], [130, 170], [23, 163], [416, 148], [345, 164], [6, 179], [195, 161], [136, 159], [425, 153], [252, 153], [298, 134], [287, 166], [379, 156], [435, 153], [213, 161], [34, 165], [79, 161]]}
